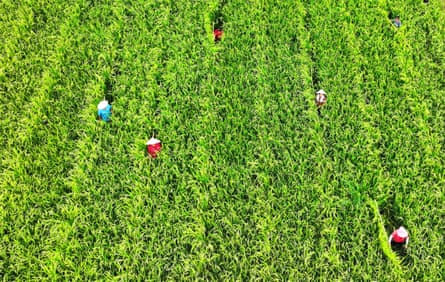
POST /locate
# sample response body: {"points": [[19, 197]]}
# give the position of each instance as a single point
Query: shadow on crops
{"points": [[403, 253], [109, 83], [218, 22], [314, 73], [218, 17], [73, 135], [407, 259], [391, 15], [390, 212]]}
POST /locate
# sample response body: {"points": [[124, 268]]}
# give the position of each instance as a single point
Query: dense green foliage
{"points": [[251, 184]]}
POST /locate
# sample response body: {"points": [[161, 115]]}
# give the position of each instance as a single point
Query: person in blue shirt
{"points": [[104, 111], [397, 22]]}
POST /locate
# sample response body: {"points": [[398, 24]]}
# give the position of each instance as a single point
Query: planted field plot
{"points": [[252, 183]]}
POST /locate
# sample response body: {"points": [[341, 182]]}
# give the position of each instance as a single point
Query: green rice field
{"points": [[252, 183]]}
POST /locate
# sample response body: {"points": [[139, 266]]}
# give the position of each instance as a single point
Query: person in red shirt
{"points": [[217, 34], [400, 236], [153, 147]]}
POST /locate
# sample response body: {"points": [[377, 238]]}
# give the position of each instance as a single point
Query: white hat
{"points": [[153, 141], [402, 232], [321, 91], [102, 105]]}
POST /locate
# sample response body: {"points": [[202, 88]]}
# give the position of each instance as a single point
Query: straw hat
{"points": [[153, 141], [402, 232], [102, 105], [321, 91]]}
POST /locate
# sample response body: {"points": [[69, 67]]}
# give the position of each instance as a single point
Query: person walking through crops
{"points": [[217, 34], [153, 147], [396, 21], [321, 98], [399, 237], [104, 111]]}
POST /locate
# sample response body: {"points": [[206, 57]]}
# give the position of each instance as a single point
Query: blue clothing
{"points": [[397, 23], [105, 113]]}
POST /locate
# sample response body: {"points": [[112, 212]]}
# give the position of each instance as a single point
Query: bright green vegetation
{"points": [[251, 184]]}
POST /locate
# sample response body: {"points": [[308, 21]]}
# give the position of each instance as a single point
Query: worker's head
{"points": [[321, 91], [102, 105], [402, 232]]}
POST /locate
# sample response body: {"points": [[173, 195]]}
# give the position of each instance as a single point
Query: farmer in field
{"points": [[399, 237], [396, 21], [217, 34], [320, 98], [104, 111], [153, 147]]}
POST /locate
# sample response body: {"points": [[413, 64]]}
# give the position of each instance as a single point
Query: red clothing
{"points": [[217, 34], [397, 239], [153, 149]]}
